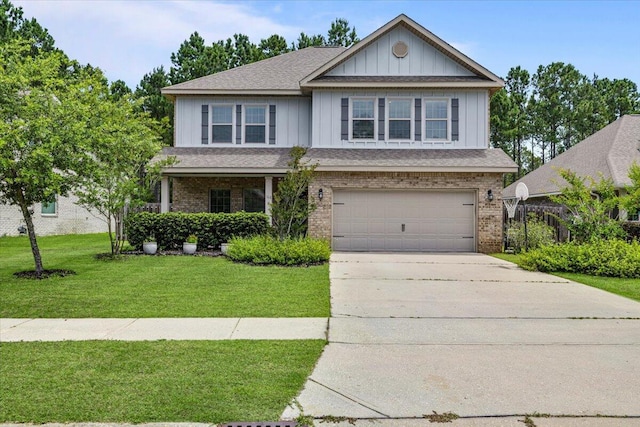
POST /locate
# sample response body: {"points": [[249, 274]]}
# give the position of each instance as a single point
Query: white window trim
{"points": [[423, 120], [375, 118], [55, 212], [266, 124], [233, 124], [387, 119]]}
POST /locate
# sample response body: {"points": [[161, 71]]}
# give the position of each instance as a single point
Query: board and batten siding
{"points": [[473, 116], [293, 116], [422, 59]]}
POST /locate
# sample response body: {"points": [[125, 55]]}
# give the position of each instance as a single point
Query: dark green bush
{"points": [[264, 250], [173, 228], [613, 258], [632, 229], [538, 234]]}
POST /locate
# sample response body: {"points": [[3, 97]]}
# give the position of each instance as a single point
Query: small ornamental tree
{"points": [[631, 200], [591, 206], [118, 174], [291, 205], [43, 136]]}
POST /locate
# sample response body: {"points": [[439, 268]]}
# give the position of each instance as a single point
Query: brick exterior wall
{"points": [[489, 214], [192, 194]]}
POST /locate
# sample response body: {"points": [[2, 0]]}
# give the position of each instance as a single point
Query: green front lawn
{"points": [[629, 288], [160, 381], [152, 286]]}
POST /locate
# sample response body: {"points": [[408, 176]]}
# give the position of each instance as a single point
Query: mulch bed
{"points": [[31, 274], [211, 253]]}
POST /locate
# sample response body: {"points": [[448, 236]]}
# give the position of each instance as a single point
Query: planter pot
{"points": [[150, 248], [189, 248], [224, 248]]}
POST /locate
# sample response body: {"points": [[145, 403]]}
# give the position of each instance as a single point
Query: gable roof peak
{"points": [[492, 80]]}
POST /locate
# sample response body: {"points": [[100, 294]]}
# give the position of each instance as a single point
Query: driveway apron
{"points": [[411, 334]]}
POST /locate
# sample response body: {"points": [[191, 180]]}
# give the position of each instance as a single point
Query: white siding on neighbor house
{"points": [[378, 60], [69, 219], [473, 115], [293, 115]]}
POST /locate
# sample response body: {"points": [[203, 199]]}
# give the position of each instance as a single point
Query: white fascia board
{"points": [[218, 171], [415, 169]]}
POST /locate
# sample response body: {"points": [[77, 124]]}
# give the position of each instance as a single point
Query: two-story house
{"points": [[398, 125]]}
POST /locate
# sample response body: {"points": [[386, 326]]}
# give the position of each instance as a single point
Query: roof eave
{"points": [[172, 93], [439, 85], [374, 168], [187, 171]]}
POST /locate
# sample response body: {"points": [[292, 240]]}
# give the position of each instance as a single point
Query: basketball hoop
{"points": [[511, 205]]}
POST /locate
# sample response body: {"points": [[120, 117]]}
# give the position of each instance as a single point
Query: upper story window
{"points": [[363, 118], [437, 119], [399, 119], [255, 124], [222, 123]]}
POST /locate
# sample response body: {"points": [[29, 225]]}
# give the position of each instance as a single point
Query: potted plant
{"points": [[190, 245], [224, 248], [150, 246]]}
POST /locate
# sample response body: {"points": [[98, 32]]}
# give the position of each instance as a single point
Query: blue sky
{"points": [[127, 39]]}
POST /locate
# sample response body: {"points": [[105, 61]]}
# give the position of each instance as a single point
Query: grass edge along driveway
{"points": [[152, 381], [152, 286], [629, 288]]}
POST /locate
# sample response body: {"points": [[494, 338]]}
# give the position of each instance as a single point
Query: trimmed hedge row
{"points": [[172, 229], [632, 229], [613, 258], [268, 250]]}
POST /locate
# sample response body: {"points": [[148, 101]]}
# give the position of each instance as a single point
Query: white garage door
{"points": [[422, 221]]}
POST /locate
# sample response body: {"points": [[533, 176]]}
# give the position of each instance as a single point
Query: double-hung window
{"points": [[363, 119], [255, 124], [399, 119], [49, 208], [222, 123], [436, 119], [253, 199]]}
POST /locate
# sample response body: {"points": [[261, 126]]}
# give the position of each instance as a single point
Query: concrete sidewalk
{"points": [[12, 330]]}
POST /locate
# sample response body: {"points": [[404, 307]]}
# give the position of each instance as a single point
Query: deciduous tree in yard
{"points": [[43, 141]]}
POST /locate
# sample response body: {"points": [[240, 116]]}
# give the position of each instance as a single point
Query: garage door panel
{"points": [[365, 220]]}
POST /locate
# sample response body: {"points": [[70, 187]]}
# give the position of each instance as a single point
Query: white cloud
{"points": [[128, 38]]}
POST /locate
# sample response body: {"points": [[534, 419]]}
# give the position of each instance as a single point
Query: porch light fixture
{"points": [[320, 194], [490, 195]]}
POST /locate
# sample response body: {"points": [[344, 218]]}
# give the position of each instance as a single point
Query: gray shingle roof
{"points": [[280, 73], [611, 151], [262, 160]]}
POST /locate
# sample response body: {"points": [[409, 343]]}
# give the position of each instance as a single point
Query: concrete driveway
{"points": [[476, 336]]}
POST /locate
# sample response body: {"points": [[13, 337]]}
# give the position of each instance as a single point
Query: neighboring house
{"points": [[398, 125], [61, 217], [608, 153]]}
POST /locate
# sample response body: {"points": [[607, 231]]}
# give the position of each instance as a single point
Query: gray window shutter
{"points": [[344, 119], [272, 124], [238, 124], [418, 120], [455, 126], [380, 119], [205, 124]]}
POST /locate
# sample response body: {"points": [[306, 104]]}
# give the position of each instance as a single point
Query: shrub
{"points": [[173, 228], [264, 250], [538, 233], [614, 258]]}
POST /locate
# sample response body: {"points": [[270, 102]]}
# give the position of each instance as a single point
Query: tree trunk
{"points": [[32, 234]]}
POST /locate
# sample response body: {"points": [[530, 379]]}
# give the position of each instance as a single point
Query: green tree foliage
{"points": [[591, 204], [305, 41], [155, 104], [631, 200], [118, 175], [291, 205], [119, 90], [341, 34], [13, 25], [273, 46], [43, 123]]}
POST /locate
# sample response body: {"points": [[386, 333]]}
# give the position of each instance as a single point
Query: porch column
{"points": [[268, 195], [164, 194]]}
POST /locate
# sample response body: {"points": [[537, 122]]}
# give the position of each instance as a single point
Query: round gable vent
{"points": [[400, 49]]}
